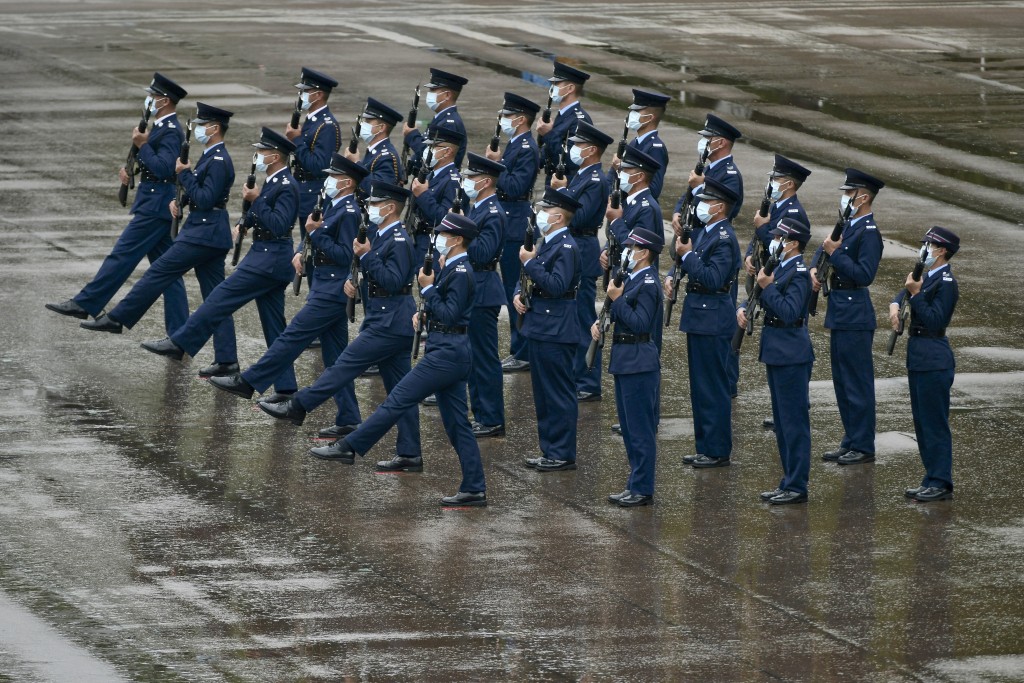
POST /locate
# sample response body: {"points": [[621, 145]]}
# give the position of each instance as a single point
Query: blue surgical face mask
{"points": [[261, 162], [375, 215], [331, 188], [775, 248], [469, 187], [703, 212], [366, 131], [305, 100], [702, 145], [201, 135], [432, 100], [543, 221], [776, 193], [576, 155], [441, 244], [930, 259], [507, 126], [629, 255], [151, 105], [633, 121], [624, 181], [555, 93]]}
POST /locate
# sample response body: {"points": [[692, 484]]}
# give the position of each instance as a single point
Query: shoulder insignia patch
{"points": [[219, 158], [460, 268], [399, 238], [170, 125], [657, 144], [567, 245], [794, 211], [493, 208], [284, 181], [871, 227], [350, 209], [327, 119], [947, 278], [801, 269], [645, 203], [733, 172]]}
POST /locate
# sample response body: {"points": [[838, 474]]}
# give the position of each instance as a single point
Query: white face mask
{"points": [[576, 155], [844, 201], [365, 131], [469, 187], [428, 157], [261, 162], [201, 135], [151, 105], [703, 212], [776, 190], [432, 100], [702, 144], [624, 181], [507, 126], [775, 248], [441, 245], [930, 259], [543, 221], [555, 94], [633, 121], [373, 212], [629, 258], [331, 188]]}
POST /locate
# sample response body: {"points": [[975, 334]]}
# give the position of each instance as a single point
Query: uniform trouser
{"points": [[442, 372], [929, 403], [636, 398], [510, 268], [486, 395], [143, 236], [734, 372], [708, 359], [391, 353], [208, 262], [239, 289], [586, 311], [320, 317], [554, 397], [789, 386], [853, 377]]}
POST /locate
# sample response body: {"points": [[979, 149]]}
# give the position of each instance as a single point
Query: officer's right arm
{"points": [[641, 317], [520, 172], [213, 187], [485, 246]]}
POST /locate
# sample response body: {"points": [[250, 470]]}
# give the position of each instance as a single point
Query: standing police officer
{"points": [[149, 231], [380, 158], [719, 136], [639, 208], [443, 92], [433, 199], [316, 140], [565, 91], [851, 317], [644, 117]]}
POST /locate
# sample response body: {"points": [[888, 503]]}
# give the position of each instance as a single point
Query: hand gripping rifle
{"points": [[756, 248], [823, 266], [753, 307], [410, 208], [546, 115], [179, 190], [525, 286], [604, 321], [496, 138], [129, 164], [250, 183], [421, 314], [411, 121], [294, 123], [688, 213], [905, 306], [611, 241], [307, 246], [350, 306]]}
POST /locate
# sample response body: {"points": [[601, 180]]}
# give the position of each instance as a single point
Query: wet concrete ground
{"points": [[151, 526]]}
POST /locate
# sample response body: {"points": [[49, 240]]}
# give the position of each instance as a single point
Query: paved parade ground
{"points": [[153, 529]]}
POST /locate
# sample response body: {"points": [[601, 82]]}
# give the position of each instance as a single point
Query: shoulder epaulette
{"points": [[219, 158]]}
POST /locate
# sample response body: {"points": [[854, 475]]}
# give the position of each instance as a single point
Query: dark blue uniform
{"points": [[851, 319], [788, 357], [636, 364], [383, 163], [486, 396], [262, 275], [930, 370], [787, 208], [650, 144], [203, 242], [148, 233], [725, 172], [323, 316], [551, 143], [521, 159], [442, 371], [433, 205], [639, 210], [320, 139], [709, 320], [449, 119], [551, 328], [385, 338]]}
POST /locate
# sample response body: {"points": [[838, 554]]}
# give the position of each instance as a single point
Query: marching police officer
{"points": [[930, 362], [433, 199], [324, 315], [718, 137], [521, 159], [851, 317], [148, 233], [486, 396], [448, 300], [788, 357], [315, 141], [380, 159], [266, 269], [565, 91], [201, 245], [636, 310], [645, 114], [551, 328], [443, 92], [385, 336]]}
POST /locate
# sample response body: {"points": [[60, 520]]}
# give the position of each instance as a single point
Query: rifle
{"points": [[822, 265], [250, 183], [688, 212], [604, 321], [307, 246], [179, 191], [294, 123], [353, 142], [421, 314], [421, 177], [622, 143], [129, 164], [411, 121], [560, 168], [905, 306], [459, 198], [525, 286], [350, 306], [756, 248], [496, 138], [753, 307], [546, 116], [611, 241]]}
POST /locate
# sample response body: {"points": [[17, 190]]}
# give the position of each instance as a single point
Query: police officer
{"points": [[709, 260], [380, 159], [448, 299], [433, 199], [202, 243], [636, 310], [589, 187], [316, 140], [323, 316], [788, 357], [385, 336], [148, 233], [443, 92], [639, 208], [645, 114], [486, 397], [851, 317], [266, 269], [718, 136], [565, 91], [551, 328], [930, 363], [521, 159]]}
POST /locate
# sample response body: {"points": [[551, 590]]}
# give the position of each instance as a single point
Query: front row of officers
{"points": [[356, 226]]}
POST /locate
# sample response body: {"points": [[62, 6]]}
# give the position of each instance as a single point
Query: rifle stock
{"points": [[179, 192], [250, 183], [353, 142], [410, 121], [753, 307], [496, 138], [687, 213], [421, 313], [129, 164], [603, 323], [307, 246], [525, 287], [350, 305], [822, 265], [904, 314], [546, 115]]}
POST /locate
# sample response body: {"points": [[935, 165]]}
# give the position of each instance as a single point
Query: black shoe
{"points": [[635, 500], [104, 323], [533, 462], [702, 462], [855, 458], [463, 499], [336, 431], [69, 308], [286, 410], [788, 498], [768, 423], [616, 497], [480, 431], [400, 463], [548, 465], [933, 493], [587, 397], [689, 459], [278, 397], [219, 370], [339, 451], [617, 429], [429, 400], [833, 456], [513, 364], [233, 385], [768, 495], [164, 347], [912, 493], [370, 371]]}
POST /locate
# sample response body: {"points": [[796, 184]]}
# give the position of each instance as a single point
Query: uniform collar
{"points": [[711, 226], [477, 204], [455, 259], [437, 171], [340, 198], [277, 172], [381, 231], [583, 169], [551, 236], [782, 202], [715, 163], [631, 199], [640, 138], [632, 276], [513, 139], [936, 271], [213, 147], [371, 147], [854, 221], [165, 117], [783, 264], [441, 113], [312, 115]]}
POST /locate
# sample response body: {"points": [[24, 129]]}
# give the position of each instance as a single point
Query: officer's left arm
{"points": [[324, 141], [862, 270], [344, 224], [211, 190], [435, 203], [557, 275], [485, 246], [160, 153], [937, 313], [449, 307], [278, 215], [640, 317], [791, 305], [719, 268]]}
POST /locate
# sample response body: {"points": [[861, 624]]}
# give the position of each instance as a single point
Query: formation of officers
{"points": [[371, 225]]}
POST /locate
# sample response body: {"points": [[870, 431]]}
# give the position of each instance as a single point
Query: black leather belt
{"points": [[322, 259], [221, 206], [505, 198], [377, 292], [539, 293], [838, 284], [927, 333], [305, 176], [146, 178], [624, 338], [481, 267], [446, 329], [264, 235], [772, 321], [584, 233], [698, 288]]}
